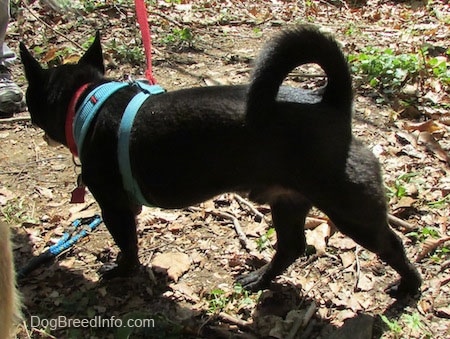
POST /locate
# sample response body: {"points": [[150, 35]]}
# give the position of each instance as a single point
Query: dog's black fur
{"points": [[287, 147]]}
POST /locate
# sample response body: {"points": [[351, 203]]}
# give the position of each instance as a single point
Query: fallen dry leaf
{"points": [[405, 202], [429, 246], [427, 126], [150, 216], [5, 196], [318, 237], [172, 263], [347, 258], [426, 305], [71, 59], [342, 316], [314, 222], [365, 283], [338, 240], [50, 55], [185, 290], [445, 119], [432, 145], [443, 312], [44, 192]]}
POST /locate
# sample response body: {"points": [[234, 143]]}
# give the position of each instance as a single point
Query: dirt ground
{"points": [[336, 291]]}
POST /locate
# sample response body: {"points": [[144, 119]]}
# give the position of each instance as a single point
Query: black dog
{"points": [[286, 147]]}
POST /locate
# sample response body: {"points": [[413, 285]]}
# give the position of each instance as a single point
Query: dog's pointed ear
{"points": [[94, 55], [33, 69]]}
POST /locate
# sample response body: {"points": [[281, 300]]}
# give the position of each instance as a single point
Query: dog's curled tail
{"points": [[292, 48], [9, 300]]}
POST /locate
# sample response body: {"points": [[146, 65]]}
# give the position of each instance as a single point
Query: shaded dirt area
{"points": [[200, 43]]}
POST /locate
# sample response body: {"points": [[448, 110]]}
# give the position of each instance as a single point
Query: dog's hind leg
{"points": [[375, 235], [288, 216], [121, 223], [358, 209]]}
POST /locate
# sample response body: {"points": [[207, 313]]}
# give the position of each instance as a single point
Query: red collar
{"points": [[70, 118]]}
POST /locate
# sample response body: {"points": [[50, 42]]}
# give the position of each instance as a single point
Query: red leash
{"points": [[141, 12]]}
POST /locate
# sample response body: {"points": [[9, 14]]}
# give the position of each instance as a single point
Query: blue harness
{"points": [[89, 108]]}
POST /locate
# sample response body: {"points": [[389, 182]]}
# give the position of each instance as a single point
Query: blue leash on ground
{"points": [[66, 241]]}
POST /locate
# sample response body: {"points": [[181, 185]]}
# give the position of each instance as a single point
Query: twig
{"points": [[444, 281], [43, 333], [309, 261], [25, 328], [169, 19], [64, 36], [245, 325], [358, 267], [237, 226], [444, 266], [243, 201], [312, 222], [13, 120], [329, 274], [400, 223], [154, 248]]}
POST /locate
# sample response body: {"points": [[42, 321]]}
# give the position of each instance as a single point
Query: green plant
{"points": [[88, 42], [180, 37], [241, 294], [263, 241], [385, 69], [351, 29], [217, 300], [389, 71], [16, 212], [126, 53], [393, 325], [437, 254], [414, 322], [257, 31], [54, 56], [440, 203], [399, 188], [424, 233], [441, 254], [440, 68]]}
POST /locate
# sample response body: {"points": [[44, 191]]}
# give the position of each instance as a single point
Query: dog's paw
{"points": [[254, 281], [109, 272], [403, 289]]}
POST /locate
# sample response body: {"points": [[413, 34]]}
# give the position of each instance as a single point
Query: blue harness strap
{"points": [[89, 108], [126, 124]]}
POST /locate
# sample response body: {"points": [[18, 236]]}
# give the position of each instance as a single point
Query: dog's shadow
{"points": [[283, 299], [58, 293]]}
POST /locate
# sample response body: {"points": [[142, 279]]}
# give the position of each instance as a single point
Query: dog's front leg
{"points": [[288, 216], [118, 212], [121, 223]]}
